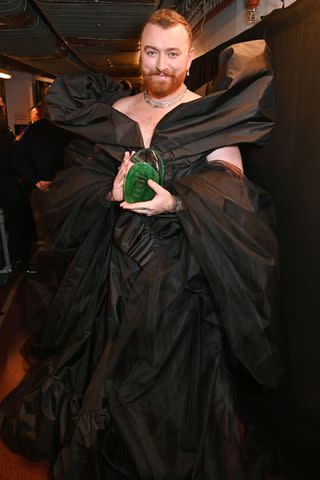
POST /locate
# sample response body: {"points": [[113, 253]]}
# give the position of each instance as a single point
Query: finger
{"points": [[126, 163], [131, 206], [127, 166], [123, 169], [139, 207], [127, 156], [141, 211], [125, 159], [155, 186]]}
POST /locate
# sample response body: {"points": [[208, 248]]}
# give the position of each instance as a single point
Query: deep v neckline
{"points": [[159, 124]]}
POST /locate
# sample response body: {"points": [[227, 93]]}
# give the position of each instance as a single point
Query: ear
{"points": [[190, 56]]}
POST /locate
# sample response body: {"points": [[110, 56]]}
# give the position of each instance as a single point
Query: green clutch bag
{"points": [[147, 164]]}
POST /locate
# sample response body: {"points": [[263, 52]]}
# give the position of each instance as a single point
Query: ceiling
{"points": [[57, 36]]}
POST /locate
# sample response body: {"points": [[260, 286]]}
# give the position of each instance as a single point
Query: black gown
{"points": [[142, 322]]}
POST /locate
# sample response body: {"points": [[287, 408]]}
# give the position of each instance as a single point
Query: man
{"points": [[39, 153], [151, 310], [166, 56], [34, 114], [12, 199], [2, 106]]}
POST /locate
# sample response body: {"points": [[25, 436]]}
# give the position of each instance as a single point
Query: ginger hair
{"points": [[166, 18]]}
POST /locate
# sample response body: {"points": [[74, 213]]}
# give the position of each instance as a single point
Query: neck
{"points": [[168, 101]]}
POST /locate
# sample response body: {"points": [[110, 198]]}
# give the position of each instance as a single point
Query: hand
{"points": [[43, 185], [118, 184], [163, 202]]}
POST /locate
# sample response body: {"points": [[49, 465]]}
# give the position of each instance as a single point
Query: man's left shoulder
{"points": [[191, 96]]}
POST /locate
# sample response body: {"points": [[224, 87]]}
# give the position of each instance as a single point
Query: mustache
{"points": [[165, 73]]}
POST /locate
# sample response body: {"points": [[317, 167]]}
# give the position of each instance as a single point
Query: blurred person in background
{"points": [[35, 113], [2, 105], [12, 200], [34, 117], [39, 154]]}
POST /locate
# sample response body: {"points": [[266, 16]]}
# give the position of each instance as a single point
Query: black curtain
{"points": [[289, 168], [292, 168]]}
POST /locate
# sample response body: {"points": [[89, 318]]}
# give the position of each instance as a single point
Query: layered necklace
{"points": [[153, 102]]}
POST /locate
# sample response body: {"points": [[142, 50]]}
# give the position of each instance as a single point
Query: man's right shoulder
{"points": [[126, 103], [121, 102]]}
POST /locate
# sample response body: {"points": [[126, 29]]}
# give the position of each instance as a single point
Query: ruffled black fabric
{"points": [[140, 320]]}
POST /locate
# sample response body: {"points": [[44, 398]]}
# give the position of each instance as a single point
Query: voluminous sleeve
{"points": [[227, 222]]}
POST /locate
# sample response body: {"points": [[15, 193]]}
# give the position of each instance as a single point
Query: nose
{"points": [[162, 62]]}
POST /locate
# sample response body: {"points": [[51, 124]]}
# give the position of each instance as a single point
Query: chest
{"points": [[148, 121]]}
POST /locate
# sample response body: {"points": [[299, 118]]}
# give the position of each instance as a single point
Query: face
{"points": [[2, 105], [166, 56], [34, 116]]}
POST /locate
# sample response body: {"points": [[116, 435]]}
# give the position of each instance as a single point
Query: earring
{"points": [[188, 72]]}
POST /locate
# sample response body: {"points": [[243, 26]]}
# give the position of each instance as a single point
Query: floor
{"points": [[12, 369]]}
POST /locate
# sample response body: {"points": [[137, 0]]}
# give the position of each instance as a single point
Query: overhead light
{"points": [[4, 73]]}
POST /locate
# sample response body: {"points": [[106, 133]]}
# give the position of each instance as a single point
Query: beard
{"points": [[160, 87]]}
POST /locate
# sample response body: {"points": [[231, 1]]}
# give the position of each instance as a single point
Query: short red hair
{"points": [[167, 18]]}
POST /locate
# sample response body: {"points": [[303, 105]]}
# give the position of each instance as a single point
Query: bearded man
{"points": [[154, 306], [166, 56]]}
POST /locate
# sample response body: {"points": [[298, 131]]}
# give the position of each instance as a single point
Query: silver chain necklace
{"points": [[163, 103]]}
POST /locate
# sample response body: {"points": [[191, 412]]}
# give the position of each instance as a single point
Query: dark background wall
{"points": [[289, 168], [293, 174]]}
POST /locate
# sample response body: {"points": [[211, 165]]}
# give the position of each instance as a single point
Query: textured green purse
{"points": [[148, 164]]}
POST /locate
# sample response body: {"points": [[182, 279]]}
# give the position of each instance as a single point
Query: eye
{"points": [[151, 53], [173, 54]]}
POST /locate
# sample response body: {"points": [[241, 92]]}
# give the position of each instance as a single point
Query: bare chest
{"points": [[148, 121]]}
